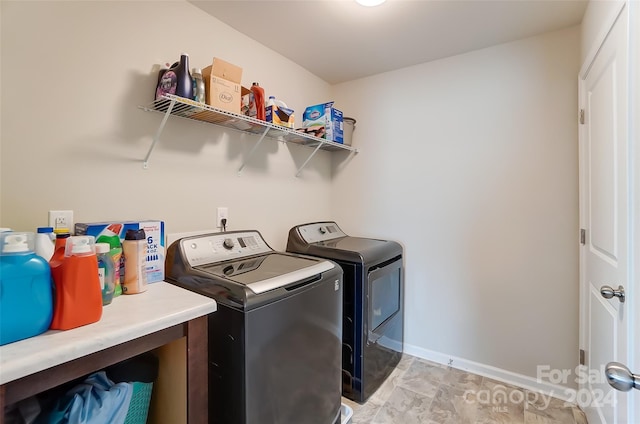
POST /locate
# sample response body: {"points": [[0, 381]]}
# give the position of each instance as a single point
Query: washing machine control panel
{"points": [[320, 231], [211, 248]]}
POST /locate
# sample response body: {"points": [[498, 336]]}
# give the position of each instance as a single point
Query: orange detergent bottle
{"points": [[258, 96], [78, 298]]}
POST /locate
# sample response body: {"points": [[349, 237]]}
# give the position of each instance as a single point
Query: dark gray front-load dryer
{"points": [[372, 332], [274, 342]]}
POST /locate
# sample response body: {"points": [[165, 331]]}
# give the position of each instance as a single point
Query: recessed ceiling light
{"points": [[370, 3]]}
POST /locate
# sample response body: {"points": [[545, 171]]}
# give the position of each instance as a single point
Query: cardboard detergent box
{"points": [[222, 85], [324, 121], [154, 230], [280, 115]]}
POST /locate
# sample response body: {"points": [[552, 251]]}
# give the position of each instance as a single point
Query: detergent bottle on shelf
{"points": [[62, 234], [111, 236], [167, 81], [45, 244], [278, 113], [26, 299], [199, 90], [135, 262], [258, 98], [184, 86], [106, 272], [78, 298]]}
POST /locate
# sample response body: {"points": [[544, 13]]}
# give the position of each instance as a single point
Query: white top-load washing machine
{"points": [[275, 340]]}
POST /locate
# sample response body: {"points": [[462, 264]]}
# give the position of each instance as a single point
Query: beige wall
{"points": [[471, 163], [73, 75]]}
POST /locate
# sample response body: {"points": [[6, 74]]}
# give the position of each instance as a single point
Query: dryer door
{"points": [[383, 322], [384, 299]]}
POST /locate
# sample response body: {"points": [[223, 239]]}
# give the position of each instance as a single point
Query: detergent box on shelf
{"points": [[154, 230], [324, 121]]}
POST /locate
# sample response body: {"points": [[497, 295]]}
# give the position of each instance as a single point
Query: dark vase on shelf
{"points": [[185, 82]]}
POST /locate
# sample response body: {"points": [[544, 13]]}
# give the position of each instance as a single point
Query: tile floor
{"points": [[420, 391]]}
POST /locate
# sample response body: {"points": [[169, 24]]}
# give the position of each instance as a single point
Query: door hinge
{"points": [[582, 357], [583, 236], [582, 116]]}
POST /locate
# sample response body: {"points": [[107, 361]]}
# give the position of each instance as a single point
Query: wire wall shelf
{"points": [[171, 105]]}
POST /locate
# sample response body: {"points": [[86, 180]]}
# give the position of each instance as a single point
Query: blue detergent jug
{"points": [[26, 298]]}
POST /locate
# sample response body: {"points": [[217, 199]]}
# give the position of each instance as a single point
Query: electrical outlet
{"points": [[61, 219], [223, 213]]}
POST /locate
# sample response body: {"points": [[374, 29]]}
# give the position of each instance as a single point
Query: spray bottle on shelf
{"points": [[111, 236], [106, 272]]}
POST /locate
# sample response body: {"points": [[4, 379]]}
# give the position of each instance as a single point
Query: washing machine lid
{"points": [[328, 234], [352, 244], [325, 239], [267, 272]]}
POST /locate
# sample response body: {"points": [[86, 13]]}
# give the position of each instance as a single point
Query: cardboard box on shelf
{"points": [[324, 121], [154, 230], [280, 115], [222, 85]]}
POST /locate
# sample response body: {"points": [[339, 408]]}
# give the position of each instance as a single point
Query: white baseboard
{"points": [[566, 394]]}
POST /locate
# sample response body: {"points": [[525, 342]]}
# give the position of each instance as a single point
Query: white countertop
{"points": [[128, 317]]}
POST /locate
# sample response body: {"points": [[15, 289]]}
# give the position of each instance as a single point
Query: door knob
{"points": [[608, 292], [620, 378]]}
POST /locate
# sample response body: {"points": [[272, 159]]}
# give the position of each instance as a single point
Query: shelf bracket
{"points": [[253, 149], [145, 165], [308, 159]]}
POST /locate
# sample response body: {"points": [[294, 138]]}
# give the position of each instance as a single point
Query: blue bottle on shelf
{"points": [[26, 298]]}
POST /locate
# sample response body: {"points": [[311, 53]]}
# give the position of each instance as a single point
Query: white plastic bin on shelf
{"points": [[346, 414]]}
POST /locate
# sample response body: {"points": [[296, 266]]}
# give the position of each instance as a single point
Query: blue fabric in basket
{"points": [[97, 400]]}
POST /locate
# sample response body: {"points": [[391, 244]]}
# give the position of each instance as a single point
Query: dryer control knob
{"points": [[228, 243], [322, 230]]}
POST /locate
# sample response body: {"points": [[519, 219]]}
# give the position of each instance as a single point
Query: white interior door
{"points": [[605, 201], [634, 91]]}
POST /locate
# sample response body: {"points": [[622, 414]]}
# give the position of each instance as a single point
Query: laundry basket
{"points": [[141, 371], [345, 413], [139, 406], [349, 124]]}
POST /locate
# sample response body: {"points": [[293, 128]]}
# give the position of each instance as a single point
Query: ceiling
{"points": [[339, 40]]}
